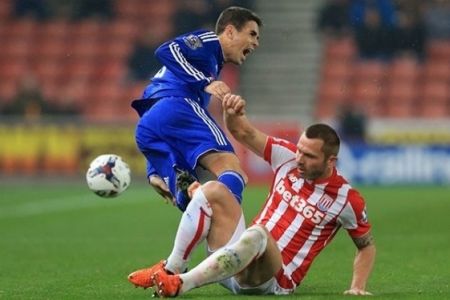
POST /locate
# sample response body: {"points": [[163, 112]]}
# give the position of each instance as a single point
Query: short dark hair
{"points": [[328, 135], [236, 16]]}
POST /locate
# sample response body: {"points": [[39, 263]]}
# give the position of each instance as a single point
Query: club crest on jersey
{"points": [[324, 203], [193, 41]]}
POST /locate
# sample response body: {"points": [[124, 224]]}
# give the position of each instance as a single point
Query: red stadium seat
{"points": [[51, 48], [336, 70], [370, 71], [401, 91], [334, 90], [403, 69], [86, 29], [435, 90], [340, 49], [437, 71], [435, 109], [55, 29], [438, 50], [366, 91]]}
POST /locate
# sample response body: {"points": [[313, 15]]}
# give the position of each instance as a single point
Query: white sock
{"points": [[228, 260], [192, 230]]}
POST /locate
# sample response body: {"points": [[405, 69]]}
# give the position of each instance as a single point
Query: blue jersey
{"points": [[190, 63]]}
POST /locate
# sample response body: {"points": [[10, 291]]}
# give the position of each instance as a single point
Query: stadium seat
{"points": [[401, 91], [12, 68], [363, 91], [437, 71], [47, 69], [55, 29], [87, 49], [79, 69], [400, 109], [8, 88], [342, 49], [16, 48], [403, 69], [434, 109], [436, 91], [334, 90], [438, 50], [51, 48], [370, 71], [86, 29], [336, 70], [5, 9], [121, 30]]}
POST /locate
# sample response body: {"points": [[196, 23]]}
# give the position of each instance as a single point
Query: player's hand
{"points": [[161, 188], [192, 188], [218, 89], [233, 105], [357, 292]]}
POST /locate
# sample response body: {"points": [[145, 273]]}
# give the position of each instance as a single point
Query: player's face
{"points": [[311, 161], [241, 43]]}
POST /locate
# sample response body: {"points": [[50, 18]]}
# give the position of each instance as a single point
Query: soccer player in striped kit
{"points": [[308, 202], [175, 132]]}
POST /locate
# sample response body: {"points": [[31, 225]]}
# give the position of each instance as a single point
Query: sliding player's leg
{"points": [[211, 214], [253, 260]]}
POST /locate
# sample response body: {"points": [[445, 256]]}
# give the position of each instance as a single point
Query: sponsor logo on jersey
{"points": [[298, 203], [193, 41], [324, 203]]}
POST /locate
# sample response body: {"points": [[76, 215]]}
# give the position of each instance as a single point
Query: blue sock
{"points": [[235, 183]]}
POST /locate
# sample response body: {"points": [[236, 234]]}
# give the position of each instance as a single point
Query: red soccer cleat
{"points": [[143, 277], [167, 285]]}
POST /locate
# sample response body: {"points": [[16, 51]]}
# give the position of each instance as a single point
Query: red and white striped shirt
{"points": [[302, 215]]}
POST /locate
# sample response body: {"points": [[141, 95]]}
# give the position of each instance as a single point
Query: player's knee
{"points": [[254, 238], [215, 192]]}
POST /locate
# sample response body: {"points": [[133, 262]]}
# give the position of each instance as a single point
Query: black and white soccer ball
{"points": [[108, 175]]}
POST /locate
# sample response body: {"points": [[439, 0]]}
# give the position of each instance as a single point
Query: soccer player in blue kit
{"points": [[175, 132]]}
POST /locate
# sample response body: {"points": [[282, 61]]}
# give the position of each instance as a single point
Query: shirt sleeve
{"points": [[174, 55], [278, 151], [354, 215]]}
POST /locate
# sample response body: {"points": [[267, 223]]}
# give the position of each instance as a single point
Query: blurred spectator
{"points": [[385, 9], [29, 101], [374, 39], [437, 19], [193, 15], [100, 9], [217, 6], [142, 63], [334, 18], [410, 36], [352, 124], [38, 9]]}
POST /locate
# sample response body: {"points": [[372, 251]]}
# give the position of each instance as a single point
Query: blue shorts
{"points": [[174, 133]]}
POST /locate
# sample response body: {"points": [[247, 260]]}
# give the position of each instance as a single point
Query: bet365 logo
{"points": [[299, 204]]}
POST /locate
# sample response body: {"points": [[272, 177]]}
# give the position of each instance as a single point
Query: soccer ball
{"points": [[108, 175]]}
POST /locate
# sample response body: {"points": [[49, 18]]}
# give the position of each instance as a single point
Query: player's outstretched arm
{"points": [[239, 125], [363, 264]]}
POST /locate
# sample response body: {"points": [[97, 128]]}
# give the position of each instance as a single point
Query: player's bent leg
{"points": [[224, 263], [227, 214], [262, 269], [226, 166], [219, 162], [194, 227]]}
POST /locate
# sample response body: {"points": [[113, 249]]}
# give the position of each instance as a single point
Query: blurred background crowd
{"points": [[377, 69]]}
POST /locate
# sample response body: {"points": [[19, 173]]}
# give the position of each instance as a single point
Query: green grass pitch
{"points": [[60, 241]]}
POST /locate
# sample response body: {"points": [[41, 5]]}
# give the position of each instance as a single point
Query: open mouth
{"points": [[247, 51]]}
